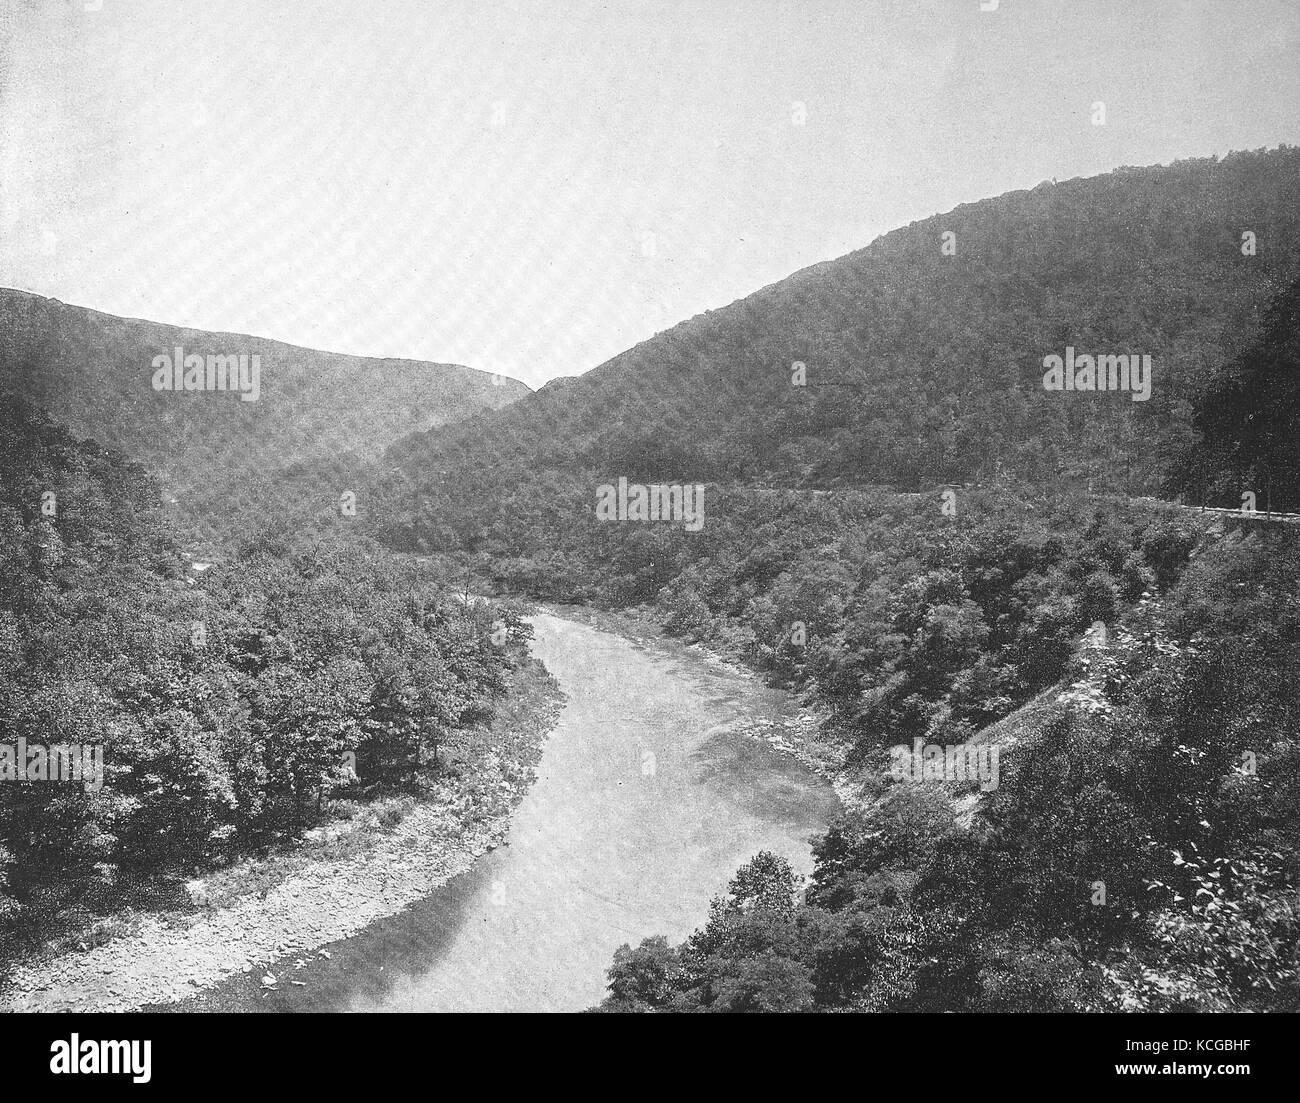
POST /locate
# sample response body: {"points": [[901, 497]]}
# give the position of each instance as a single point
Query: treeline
{"points": [[231, 706], [1139, 854]]}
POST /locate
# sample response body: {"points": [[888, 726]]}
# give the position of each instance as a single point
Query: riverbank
{"points": [[265, 916]]}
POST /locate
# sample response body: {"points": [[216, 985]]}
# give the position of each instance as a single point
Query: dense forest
{"points": [[1140, 853], [232, 708], [1247, 420]]}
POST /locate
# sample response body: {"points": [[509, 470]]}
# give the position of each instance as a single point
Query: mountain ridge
{"points": [[27, 292], [92, 371]]}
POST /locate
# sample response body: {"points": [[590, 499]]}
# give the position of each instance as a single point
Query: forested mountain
{"points": [[1179, 263], [925, 364], [917, 614], [94, 373]]}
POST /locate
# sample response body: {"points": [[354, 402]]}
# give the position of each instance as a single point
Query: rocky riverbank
{"points": [[319, 896]]}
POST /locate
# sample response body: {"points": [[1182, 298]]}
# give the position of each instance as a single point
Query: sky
{"points": [[532, 187]]}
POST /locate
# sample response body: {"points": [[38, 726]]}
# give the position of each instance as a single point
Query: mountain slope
{"points": [[924, 367], [93, 372]]}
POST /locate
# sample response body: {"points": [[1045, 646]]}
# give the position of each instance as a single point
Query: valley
{"points": [[959, 558]]}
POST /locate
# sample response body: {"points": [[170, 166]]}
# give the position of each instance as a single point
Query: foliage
{"points": [[1139, 854], [230, 706]]}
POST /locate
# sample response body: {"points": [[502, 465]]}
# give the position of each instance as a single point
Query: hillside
{"points": [[923, 367], [93, 372]]}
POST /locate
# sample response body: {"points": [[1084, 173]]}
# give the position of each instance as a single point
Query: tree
{"points": [[1248, 417]]}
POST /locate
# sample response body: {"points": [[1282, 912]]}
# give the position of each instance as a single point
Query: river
{"points": [[650, 793]]}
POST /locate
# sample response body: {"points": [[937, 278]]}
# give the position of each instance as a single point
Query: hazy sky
{"points": [[531, 188]]}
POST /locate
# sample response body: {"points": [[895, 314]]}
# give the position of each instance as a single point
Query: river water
{"points": [[650, 793]]}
